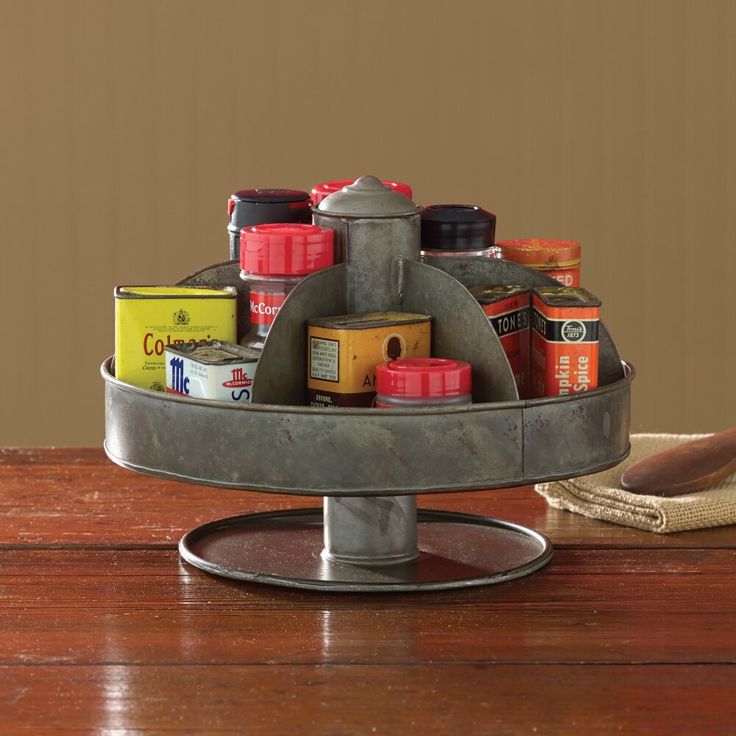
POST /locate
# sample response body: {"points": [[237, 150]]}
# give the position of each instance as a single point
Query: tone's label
{"points": [[265, 307], [507, 324], [510, 319], [324, 359]]}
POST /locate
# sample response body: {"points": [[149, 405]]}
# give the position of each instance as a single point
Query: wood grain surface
{"points": [[103, 629], [687, 468]]}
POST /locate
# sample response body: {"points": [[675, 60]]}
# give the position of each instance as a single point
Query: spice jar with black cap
{"points": [[457, 230], [260, 206]]}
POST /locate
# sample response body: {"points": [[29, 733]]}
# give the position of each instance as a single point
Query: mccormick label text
{"points": [[179, 382], [265, 307], [197, 379], [241, 383]]}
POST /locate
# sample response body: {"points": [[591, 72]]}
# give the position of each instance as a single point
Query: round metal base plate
{"points": [[283, 548]]}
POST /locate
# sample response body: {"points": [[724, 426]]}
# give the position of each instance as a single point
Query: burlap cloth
{"points": [[600, 495]]}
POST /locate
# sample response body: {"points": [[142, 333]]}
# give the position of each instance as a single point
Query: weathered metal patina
{"points": [[371, 458]]}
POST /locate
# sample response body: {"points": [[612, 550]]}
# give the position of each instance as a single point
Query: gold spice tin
{"points": [[343, 352], [148, 318]]}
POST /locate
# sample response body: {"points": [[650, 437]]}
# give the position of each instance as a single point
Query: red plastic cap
{"points": [[320, 191], [285, 249], [423, 378]]}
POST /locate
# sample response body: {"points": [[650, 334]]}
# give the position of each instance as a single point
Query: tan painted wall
{"points": [[126, 124]]}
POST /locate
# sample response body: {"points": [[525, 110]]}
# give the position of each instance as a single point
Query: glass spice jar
{"points": [[457, 230], [274, 258], [413, 382]]}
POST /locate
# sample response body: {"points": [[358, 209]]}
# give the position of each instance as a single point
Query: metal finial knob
{"points": [[367, 183], [367, 197]]}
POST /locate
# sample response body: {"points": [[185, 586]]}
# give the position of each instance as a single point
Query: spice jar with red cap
{"points": [[557, 258], [274, 258], [258, 206], [320, 191], [413, 382], [457, 230]]}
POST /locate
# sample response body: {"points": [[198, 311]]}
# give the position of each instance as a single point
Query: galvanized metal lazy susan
{"points": [[370, 464]]}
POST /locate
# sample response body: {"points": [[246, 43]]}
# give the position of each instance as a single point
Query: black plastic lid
{"points": [[262, 206], [457, 227], [271, 195]]}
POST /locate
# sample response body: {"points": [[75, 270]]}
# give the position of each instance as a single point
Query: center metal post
{"points": [[373, 226], [370, 530]]}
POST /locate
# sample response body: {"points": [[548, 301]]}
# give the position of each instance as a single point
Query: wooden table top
{"points": [[104, 629]]}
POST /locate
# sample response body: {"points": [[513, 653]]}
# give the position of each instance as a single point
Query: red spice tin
{"points": [[564, 341], [557, 258], [507, 308]]}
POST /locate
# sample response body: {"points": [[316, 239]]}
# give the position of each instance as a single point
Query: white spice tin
{"points": [[216, 370]]}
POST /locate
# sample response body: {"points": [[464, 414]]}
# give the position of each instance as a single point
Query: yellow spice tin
{"points": [[148, 318], [343, 352]]}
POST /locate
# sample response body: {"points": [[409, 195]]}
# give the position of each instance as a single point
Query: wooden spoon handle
{"points": [[687, 468]]}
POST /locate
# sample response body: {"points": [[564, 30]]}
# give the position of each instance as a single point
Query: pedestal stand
{"points": [[369, 464], [366, 545]]}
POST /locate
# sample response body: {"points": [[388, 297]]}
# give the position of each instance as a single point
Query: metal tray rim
{"points": [[108, 377], [367, 491]]}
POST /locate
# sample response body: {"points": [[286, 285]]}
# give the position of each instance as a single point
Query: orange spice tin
{"points": [[557, 258], [507, 308], [564, 356]]}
